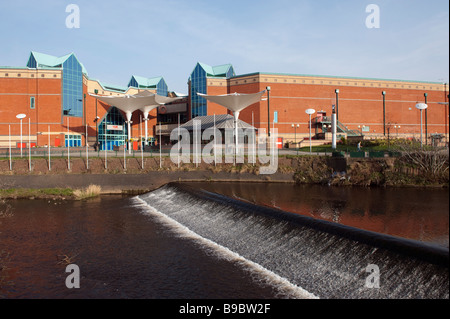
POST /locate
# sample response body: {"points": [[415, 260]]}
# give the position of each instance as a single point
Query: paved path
{"points": [[116, 183]]}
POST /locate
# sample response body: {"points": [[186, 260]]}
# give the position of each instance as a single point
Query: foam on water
{"points": [[283, 287], [300, 256]]}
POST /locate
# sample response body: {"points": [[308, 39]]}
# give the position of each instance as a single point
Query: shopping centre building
{"points": [[56, 95]]}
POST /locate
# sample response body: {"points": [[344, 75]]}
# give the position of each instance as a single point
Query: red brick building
{"points": [[373, 107], [54, 93]]}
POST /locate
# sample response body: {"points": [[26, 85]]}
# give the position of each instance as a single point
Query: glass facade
{"points": [[198, 85], [161, 88], [32, 62], [72, 140], [199, 106], [72, 83], [110, 138]]}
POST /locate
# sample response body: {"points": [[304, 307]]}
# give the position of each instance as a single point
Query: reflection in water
{"points": [[121, 253], [420, 214]]}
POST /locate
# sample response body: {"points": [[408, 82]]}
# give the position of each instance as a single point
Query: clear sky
{"points": [[118, 39]]}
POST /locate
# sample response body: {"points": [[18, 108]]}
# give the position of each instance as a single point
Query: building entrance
{"points": [[112, 130]]}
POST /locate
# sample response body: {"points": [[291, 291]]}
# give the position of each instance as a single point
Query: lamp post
{"points": [[337, 104], [397, 127], [96, 121], [310, 112], [384, 112], [426, 118], [68, 143], [268, 109], [21, 117], [421, 107], [333, 128]]}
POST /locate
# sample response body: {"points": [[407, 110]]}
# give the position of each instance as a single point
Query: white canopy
{"points": [[144, 101], [154, 101], [235, 102]]}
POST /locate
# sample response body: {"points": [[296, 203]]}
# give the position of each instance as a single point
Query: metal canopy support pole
{"points": [[142, 147], [146, 127], [236, 118], [129, 131]]}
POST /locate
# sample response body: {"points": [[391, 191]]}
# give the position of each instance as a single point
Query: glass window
{"points": [[32, 102], [72, 88], [110, 138]]}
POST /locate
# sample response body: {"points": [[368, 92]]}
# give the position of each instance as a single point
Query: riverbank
{"points": [[132, 178]]}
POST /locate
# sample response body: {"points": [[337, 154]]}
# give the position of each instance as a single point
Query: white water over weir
{"points": [[300, 256]]}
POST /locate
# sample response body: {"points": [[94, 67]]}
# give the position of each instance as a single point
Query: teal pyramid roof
{"points": [[46, 60], [146, 82]]}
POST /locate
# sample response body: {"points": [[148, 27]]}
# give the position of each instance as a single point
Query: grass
{"points": [[35, 193], [27, 193]]}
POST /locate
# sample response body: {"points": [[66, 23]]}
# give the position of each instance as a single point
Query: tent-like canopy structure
{"points": [[235, 102], [144, 101], [156, 101], [221, 122]]}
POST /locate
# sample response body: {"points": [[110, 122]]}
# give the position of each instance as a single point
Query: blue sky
{"points": [[118, 39]]}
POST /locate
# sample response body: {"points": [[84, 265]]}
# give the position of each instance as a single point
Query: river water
{"points": [[184, 242]]}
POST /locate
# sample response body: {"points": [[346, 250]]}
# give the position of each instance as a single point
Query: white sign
{"points": [[114, 127]]}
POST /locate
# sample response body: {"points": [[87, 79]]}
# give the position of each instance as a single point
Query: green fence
{"points": [[376, 154]]}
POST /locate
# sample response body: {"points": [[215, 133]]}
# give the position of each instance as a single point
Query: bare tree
{"points": [[431, 161]]}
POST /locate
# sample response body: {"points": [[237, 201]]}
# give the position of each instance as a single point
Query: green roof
{"points": [[216, 71], [46, 60], [146, 82]]}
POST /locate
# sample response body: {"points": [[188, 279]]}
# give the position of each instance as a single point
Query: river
{"points": [[175, 243]]}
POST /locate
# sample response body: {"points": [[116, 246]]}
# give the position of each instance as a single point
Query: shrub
{"points": [[90, 192]]}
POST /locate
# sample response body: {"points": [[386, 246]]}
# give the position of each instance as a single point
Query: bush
{"points": [[90, 192]]}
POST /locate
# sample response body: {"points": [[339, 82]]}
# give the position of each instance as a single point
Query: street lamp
{"points": [[96, 121], [426, 119], [337, 104], [421, 107], [310, 112], [384, 112], [397, 127], [268, 109], [21, 117]]}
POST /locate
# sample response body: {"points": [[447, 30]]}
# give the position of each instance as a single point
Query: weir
{"points": [[327, 260]]}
